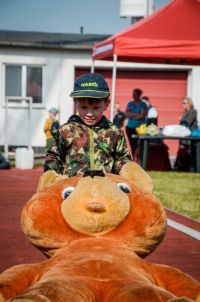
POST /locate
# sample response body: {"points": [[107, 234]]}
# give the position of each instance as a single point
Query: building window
{"points": [[24, 81], [13, 81], [34, 83]]}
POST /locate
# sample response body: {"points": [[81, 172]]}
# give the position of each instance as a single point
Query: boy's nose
{"points": [[89, 113]]}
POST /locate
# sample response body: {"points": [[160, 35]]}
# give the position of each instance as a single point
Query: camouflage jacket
{"points": [[81, 148]]}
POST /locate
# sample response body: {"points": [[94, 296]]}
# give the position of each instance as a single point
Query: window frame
{"points": [[23, 104]]}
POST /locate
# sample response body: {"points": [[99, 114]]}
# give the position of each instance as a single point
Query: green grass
{"points": [[178, 191]]}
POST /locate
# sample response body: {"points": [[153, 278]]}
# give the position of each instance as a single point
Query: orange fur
{"points": [[96, 239]]}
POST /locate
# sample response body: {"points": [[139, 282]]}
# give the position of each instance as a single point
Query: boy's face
{"points": [[91, 110], [52, 114]]}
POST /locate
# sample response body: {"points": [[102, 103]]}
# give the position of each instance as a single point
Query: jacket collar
{"points": [[103, 123]]}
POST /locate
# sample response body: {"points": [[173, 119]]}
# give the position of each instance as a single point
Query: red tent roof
{"points": [[171, 35]]}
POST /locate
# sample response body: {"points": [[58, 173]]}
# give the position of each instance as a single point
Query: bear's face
{"points": [[110, 206], [96, 205]]}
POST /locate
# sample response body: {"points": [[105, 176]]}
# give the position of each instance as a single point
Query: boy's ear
{"points": [[107, 102]]}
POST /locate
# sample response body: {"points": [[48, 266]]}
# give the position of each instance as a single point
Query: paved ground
{"points": [[17, 186]]}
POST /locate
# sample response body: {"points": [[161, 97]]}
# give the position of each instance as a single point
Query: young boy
{"points": [[88, 141]]}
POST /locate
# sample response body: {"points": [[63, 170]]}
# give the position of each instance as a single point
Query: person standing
{"points": [[119, 116], [51, 126], [136, 113]]}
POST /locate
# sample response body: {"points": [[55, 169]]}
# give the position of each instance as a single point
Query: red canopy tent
{"points": [[169, 36]]}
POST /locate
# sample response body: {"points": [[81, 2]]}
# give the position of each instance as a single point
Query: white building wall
{"points": [[59, 70], [58, 83], [195, 89]]}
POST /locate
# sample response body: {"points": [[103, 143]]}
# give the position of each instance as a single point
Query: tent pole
{"points": [[112, 105], [6, 130], [92, 67]]}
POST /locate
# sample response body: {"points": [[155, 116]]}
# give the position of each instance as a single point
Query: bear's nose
{"points": [[96, 207]]}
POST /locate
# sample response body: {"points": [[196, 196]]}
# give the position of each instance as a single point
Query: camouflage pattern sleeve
{"points": [[122, 154], [54, 158]]}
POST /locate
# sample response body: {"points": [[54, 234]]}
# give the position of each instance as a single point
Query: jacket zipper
{"points": [[91, 152]]}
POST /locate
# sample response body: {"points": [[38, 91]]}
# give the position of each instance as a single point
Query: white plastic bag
{"points": [[176, 130]]}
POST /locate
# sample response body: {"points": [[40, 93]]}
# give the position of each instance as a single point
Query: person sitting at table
{"points": [[152, 114], [189, 120], [158, 155], [189, 116]]}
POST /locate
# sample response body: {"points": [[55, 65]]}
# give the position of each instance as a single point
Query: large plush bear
{"points": [[96, 229]]}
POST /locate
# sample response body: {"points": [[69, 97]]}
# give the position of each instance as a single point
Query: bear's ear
{"points": [[134, 173], [48, 178]]}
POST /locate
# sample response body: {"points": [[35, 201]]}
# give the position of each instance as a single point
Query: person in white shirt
{"points": [[152, 114]]}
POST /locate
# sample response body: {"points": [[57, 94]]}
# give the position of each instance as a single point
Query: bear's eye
{"points": [[67, 191], [124, 187]]}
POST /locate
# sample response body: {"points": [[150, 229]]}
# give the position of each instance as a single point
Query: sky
{"points": [[65, 16]]}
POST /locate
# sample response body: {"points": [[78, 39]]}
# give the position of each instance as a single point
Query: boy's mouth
{"points": [[89, 120]]}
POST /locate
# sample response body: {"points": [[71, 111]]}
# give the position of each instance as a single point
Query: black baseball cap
{"points": [[90, 85]]}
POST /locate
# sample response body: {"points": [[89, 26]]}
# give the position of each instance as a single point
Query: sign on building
{"points": [[136, 8]]}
